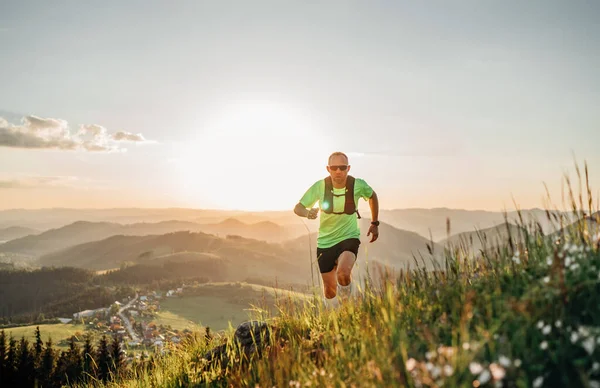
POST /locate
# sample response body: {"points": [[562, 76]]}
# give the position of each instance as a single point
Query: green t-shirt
{"points": [[334, 228]]}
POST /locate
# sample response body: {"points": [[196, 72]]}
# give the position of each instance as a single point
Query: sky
{"points": [[470, 104]]}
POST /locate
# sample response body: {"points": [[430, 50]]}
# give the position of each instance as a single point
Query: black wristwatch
{"points": [[376, 223]]}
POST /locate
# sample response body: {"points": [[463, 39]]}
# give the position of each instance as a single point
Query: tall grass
{"points": [[525, 313]]}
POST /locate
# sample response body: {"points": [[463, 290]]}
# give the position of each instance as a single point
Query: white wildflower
{"points": [[546, 330], [544, 345], [568, 261], [537, 383], [448, 370], [574, 266], [466, 345], [429, 355], [594, 384], [549, 260], [429, 366], [574, 337], [558, 323], [517, 363], [484, 377], [410, 364], [435, 372], [516, 260], [497, 371], [596, 366], [540, 325], [504, 361], [546, 279], [475, 368], [583, 331], [589, 345]]}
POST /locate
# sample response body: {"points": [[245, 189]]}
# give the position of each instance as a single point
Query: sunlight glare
{"points": [[254, 156]]}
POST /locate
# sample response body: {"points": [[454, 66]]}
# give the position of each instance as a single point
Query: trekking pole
{"points": [[312, 275]]}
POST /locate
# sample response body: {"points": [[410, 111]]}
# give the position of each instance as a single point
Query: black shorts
{"points": [[328, 257]]}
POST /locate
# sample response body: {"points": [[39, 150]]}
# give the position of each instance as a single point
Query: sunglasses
{"points": [[335, 168]]}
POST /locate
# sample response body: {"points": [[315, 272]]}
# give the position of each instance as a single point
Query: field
{"points": [[57, 331], [195, 312], [217, 305]]}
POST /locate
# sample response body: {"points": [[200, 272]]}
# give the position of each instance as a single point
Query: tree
{"points": [[117, 356], [103, 360], [11, 363], [38, 347], [3, 359], [89, 365], [74, 361], [46, 370], [26, 366]]}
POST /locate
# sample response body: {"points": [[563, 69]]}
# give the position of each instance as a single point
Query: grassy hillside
{"points": [[522, 318]]}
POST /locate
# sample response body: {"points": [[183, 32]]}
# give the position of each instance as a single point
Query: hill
{"points": [[484, 239], [586, 226], [239, 257], [84, 231], [13, 232], [434, 221]]}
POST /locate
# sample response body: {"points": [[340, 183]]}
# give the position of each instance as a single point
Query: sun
{"points": [[253, 155]]}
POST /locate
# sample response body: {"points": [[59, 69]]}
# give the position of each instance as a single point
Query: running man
{"points": [[339, 233]]}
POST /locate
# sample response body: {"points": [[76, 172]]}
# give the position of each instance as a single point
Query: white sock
{"points": [[331, 303]]}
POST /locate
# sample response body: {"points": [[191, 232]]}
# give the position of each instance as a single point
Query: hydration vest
{"points": [[349, 205]]}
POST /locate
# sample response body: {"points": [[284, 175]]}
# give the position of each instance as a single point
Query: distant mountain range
{"points": [[84, 231], [234, 257], [429, 223]]}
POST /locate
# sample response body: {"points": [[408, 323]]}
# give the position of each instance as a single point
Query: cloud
{"points": [[126, 136], [50, 133], [36, 182]]}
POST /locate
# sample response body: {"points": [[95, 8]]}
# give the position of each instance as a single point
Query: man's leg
{"points": [[344, 274], [330, 287]]}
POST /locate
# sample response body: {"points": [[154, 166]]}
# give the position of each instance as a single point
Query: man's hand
{"points": [[312, 213], [373, 230]]}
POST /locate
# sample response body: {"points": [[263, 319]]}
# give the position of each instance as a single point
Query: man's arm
{"points": [[374, 205], [301, 211]]}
